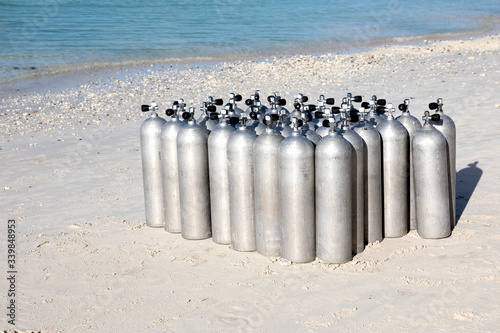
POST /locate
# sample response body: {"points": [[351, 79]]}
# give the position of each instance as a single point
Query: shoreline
{"points": [[56, 80]]}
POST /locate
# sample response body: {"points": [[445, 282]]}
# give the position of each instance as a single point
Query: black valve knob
{"points": [[309, 117], [326, 123], [175, 103], [311, 107], [211, 108], [214, 116], [357, 99], [403, 107], [282, 102], [256, 96], [335, 109], [169, 112], [304, 99], [186, 115], [300, 122], [436, 117], [380, 109], [253, 115], [318, 115], [144, 108], [365, 105], [330, 101], [249, 102], [234, 120], [296, 105], [433, 106], [381, 102], [237, 98], [218, 101]]}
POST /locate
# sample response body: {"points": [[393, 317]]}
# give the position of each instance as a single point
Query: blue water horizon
{"points": [[40, 37]]}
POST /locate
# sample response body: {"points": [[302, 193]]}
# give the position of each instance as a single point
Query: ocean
{"points": [[40, 37]]}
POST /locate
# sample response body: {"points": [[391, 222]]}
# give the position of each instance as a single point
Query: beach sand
{"points": [[72, 180]]}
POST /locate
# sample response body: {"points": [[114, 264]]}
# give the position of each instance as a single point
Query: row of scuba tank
{"points": [[320, 181]]}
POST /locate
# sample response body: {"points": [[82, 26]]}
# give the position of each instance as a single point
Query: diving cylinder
{"points": [[296, 188], [241, 186], [233, 98], [334, 172], [395, 175], [266, 182], [447, 127], [282, 124], [208, 108], [219, 179], [412, 125], [375, 115], [306, 130], [430, 162], [151, 166], [170, 170], [353, 112], [373, 181], [358, 183], [194, 190]]}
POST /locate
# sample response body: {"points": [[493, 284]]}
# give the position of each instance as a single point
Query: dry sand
{"points": [[71, 178]]}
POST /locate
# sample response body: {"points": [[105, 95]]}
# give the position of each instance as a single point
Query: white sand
{"points": [[71, 177]]}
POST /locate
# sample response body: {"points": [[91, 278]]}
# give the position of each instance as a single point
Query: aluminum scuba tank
{"points": [[373, 181], [151, 166], [219, 177], [266, 182], [353, 112], [447, 127], [296, 188], [233, 98], [395, 175], [321, 106], [206, 108], [192, 156], [306, 117], [375, 113], [241, 186], [170, 170], [254, 112], [412, 125], [430, 162], [298, 106], [282, 124], [334, 221], [358, 181]]}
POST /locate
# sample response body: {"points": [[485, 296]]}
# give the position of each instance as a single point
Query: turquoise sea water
{"points": [[46, 36]]}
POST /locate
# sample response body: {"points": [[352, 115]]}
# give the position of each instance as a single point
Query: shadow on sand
{"points": [[467, 180]]}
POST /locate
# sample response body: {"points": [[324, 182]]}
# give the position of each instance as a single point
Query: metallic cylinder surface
{"points": [[412, 125], [267, 200], [373, 183], [296, 187], [151, 170], [395, 177], [240, 165], [219, 183], [447, 127], [170, 174], [358, 195], [334, 170], [430, 161], [192, 155]]}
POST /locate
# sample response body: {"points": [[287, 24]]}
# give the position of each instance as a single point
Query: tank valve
{"points": [[404, 107]]}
